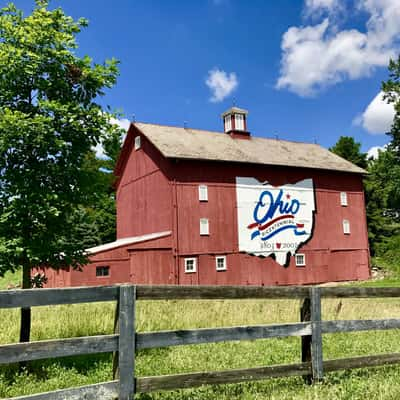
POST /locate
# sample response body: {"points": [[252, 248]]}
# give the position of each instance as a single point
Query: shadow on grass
{"points": [[42, 369], [85, 365]]}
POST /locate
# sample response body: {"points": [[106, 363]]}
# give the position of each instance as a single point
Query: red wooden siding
{"points": [[153, 267], [144, 196], [155, 194]]}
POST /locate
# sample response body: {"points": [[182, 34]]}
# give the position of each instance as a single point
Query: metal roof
{"points": [[233, 110], [186, 143], [126, 241]]}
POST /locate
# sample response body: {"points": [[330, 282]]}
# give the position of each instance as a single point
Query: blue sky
{"points": [[306, 70]]}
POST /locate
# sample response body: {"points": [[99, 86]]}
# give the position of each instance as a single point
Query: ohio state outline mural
{"points": [[274, 221]]}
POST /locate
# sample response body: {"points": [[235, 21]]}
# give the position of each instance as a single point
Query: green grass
{"points": [[10, 280], [381, 383]]}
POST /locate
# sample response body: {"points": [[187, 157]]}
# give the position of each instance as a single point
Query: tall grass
{"points": [[92, 319]]}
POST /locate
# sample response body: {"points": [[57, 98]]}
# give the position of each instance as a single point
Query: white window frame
{"points": [[103, 268], [346, 227], [228, 123], [239, 122], [204, 227], [343, 199], [217, 267], [300, 259], [194, 269], [138, 142], [203, 193]]}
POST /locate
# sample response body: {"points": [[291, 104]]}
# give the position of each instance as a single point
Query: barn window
{"points": [[137, 143], [190, 265], [239, 122], [300, 260], [228, 123], [220, 263], [346, 227], [203, 193], [343, 198], [204, 227], [103, 271]]}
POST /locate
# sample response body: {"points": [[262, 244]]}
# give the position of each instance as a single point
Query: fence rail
{"points": [[125, 341]]}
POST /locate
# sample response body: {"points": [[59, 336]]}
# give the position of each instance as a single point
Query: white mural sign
{"points": [[274, 221]]}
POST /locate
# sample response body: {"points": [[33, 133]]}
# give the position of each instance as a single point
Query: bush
{"points": [[389, 251]]}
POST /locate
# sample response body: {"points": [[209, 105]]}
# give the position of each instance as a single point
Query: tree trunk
{"points": [[25, 331]]}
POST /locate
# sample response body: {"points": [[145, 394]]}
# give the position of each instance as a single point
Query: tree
{"points": [[383, 182], [49, 124], [101, 210], [349, 149], [391, 89], [382, 197]]}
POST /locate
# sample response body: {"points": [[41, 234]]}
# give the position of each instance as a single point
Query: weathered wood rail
{"points": [[125, 341]]}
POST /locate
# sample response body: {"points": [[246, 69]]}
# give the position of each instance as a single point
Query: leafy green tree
{"points": [[383, 182], [49, 123], [382, 186], [101, 212], [391, 89], [349, 149]]}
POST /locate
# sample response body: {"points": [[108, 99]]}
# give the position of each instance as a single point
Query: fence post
{"points": [[305, 316], [115, 369], [316, 339], [126, 346]]}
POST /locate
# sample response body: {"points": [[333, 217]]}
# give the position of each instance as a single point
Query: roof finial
{"points": [[276, 136], [315, 139], [234, 102], [133, 118], [185, 124]]}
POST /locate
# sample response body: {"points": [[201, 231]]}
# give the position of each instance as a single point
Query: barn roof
{"points": [[126, 241], [195, 144]]}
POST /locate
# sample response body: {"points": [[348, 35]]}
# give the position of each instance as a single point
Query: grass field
{"points": [[90, 319]]}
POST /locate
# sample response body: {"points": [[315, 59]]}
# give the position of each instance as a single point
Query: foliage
{"points": [[382, 184], [49, 124], [391, 89], [99, 214], [381, 383], [349, 149], [382, 187], [388, 250]]}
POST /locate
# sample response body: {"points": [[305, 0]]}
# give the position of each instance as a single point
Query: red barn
{"points": [[210, 208]]}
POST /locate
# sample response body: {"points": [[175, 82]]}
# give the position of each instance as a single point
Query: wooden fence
{"points": [[126, 341]]}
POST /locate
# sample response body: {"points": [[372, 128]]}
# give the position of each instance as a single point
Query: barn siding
{"points": [[331, 255], [144, 194], [155, 194]]}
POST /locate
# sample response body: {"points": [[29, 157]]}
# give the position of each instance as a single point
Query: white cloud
{"points": [[320, 55], [221, 84], [378, 116], [317, 6], [373, 152], [122, 123]]}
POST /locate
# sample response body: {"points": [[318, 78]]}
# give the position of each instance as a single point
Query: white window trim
{"points": [[204, 227], [216, 263], [343, 199], [138, 142], [239, 122], [299, 263], [346, 227], [228, 123], [203, 193], [104, 267], [191, 271]]}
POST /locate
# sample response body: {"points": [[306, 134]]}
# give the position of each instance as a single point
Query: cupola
{"points": [[235, 123]]}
